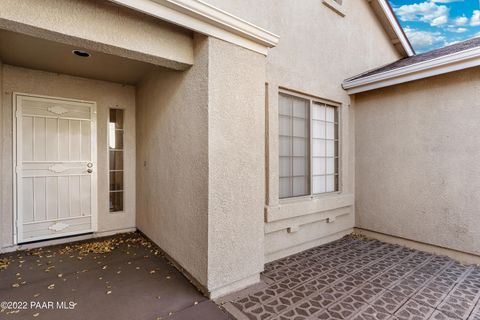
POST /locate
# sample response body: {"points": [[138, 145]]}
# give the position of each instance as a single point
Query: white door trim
{"points": [[17, 227]]}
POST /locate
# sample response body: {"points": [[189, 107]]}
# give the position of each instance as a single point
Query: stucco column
{"points": [[236, 174]]}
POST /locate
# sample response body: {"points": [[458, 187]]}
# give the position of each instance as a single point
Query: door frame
{"points": [[17, 227]]}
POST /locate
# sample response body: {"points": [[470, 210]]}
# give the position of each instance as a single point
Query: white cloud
{"points": [[447, 1], [475, 20], [439, 21], [428, 12], [457, 30], [460, 21], [422, 40]]}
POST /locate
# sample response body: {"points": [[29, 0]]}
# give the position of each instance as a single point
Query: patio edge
{"points": [[463, 257]]}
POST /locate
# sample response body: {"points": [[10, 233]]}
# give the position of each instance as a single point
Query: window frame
{"points": [[123, 150], [335, 6], [311, 100]]}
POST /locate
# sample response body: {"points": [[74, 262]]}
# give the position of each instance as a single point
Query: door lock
{"points": [[89, 170]]}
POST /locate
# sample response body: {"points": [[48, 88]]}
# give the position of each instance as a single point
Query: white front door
{"points": [[55, 167]]}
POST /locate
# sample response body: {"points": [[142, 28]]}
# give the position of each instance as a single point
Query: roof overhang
{"points": [[395, 32], [445, 64], [203, 18]]}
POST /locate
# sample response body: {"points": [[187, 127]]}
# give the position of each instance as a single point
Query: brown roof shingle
{"points": [[422, 57]]}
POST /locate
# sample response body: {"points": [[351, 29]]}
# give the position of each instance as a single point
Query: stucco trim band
{"points": [[299, 221], [275, 255], [453, 62], [201, 17], [291, 209]]}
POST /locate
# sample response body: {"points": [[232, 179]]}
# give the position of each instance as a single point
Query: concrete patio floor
{"points": [[119, 277], [356, 278]]}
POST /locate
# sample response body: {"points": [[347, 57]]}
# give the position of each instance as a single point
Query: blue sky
{"points": [[431, 24]]}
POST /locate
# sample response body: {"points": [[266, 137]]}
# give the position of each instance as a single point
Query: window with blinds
{"points": [[294, 146], [308, 146]]}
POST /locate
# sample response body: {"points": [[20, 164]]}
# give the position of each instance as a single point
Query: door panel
{"points": [[55, 167]]}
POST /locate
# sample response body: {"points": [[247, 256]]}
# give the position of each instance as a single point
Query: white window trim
{"points": [[335, 6], [332, 103]]}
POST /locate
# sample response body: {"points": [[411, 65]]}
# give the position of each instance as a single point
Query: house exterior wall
{"points": [[318, 49], [172, 162], [236, 148], [418, 156], [207, 161], [200, 169], [106, 95], [101, 26]]}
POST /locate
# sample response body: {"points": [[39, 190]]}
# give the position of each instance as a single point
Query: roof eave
{"points": [[206, 19], [445, 64], [393, 23]]}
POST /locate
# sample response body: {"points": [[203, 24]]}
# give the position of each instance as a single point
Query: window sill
{"points": [[296, 207], [116, 212], [337, 8]]}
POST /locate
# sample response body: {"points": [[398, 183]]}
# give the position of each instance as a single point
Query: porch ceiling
{"points": [[35, 53]]}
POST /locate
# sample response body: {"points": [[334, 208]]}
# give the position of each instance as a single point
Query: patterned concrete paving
{"points": [[123, 277], [363, 279]]}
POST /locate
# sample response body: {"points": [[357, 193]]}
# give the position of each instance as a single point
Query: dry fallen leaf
{"points": [[152, 271], [15, 285], [4, 262], [51, 286], [109, 291], [36, 314], [36, 295], [60, 275]]}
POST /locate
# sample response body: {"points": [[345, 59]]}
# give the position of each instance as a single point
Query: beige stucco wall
{"points": [[418, 156], [200, 169], [318, 49], [106, 95], [172, 162], [101, 26], [236, 148]]}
